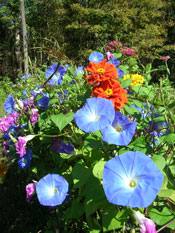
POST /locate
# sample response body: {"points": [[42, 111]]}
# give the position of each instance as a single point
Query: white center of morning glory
{"points": [[53, 191], [118, 128], [131, 182], [95, 117]]}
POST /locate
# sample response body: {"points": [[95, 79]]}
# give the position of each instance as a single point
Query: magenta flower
{"points": [[6, 122], [20, 146], [34, 116], [30, 190], [109, 56], [165, 58], [129, 51], [21, 143], [146, 224]]}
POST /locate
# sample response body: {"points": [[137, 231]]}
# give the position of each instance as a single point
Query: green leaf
{"points": [[148, 68], [159, 161], [124, 68], [92, 141], [53, 101], [117, 55], [92, 205], [75, 211], [98, 169], [80, 174], [162, 217], [113, 219], [170, 138], [126, 83], [62, 120]]}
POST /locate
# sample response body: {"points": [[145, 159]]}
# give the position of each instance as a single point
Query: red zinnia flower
{"points": [[101, 71], [112, 91]]}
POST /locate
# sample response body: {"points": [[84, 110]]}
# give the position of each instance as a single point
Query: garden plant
{"points": [[96, 143]]}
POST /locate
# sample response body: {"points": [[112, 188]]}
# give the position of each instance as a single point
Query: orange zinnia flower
{"points": [[112, 91], [101, 71]]}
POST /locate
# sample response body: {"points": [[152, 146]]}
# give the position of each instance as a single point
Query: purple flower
{"points": [[60, 147], [120, 132], [9, 104], [146, 224], [24, 162], [20, 146], [34, 115], [21, 143], [6, 123], [96, 57], [109, 56], [30, 190], [131, 179], [51, 190], [57, 79]]}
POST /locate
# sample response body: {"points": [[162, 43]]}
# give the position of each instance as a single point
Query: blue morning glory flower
{"points": [[96, 57], [9, 104], [24, 92], [43, 102], [25, 76], [120, 73], [131, 179], [11, 131], [80, 70], [60, 147], [144, 112], [51, 190], [24, 161], [159, 125], [114, 61], [96, 114], [62, 96], [57, 79], [120, 132]]}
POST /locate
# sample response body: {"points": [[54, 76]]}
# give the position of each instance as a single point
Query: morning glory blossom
{"points": [[131, 179], [96, 57], [25, 76], [146, 224], [57, 78], [96, 114], [120, 73], [51, 190], [24, 162], [42, 102], [120, 132], [114, 61], [9, 104]]}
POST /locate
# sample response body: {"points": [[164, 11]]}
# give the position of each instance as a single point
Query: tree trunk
{"points": [[24, 33]]}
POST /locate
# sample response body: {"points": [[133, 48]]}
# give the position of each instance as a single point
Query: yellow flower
{"points": [[137, 79], [3, 169]]}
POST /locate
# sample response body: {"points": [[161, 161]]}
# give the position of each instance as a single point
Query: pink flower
{"points": [[109, 56], [129, 51], [21, 143], [165, 58], [34, 115], [6, 122], [30, 190], [146, 224], [20, 146]]}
